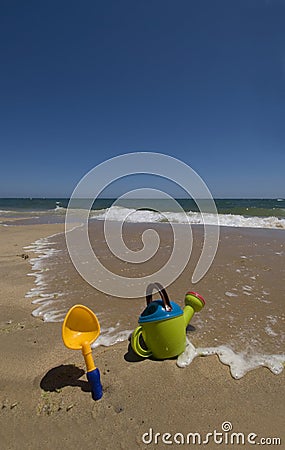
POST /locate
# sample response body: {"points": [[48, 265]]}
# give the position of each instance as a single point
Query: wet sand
{"points": [[243, 288], [44, 397]]}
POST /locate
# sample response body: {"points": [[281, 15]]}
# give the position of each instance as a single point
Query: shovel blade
{"points": [[80, 326]]}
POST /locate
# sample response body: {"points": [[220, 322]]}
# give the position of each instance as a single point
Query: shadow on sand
{"points": [[64, 375]]}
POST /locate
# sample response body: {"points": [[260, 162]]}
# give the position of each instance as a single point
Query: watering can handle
{"points": [[161, 291]]}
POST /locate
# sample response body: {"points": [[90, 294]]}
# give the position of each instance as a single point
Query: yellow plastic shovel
{"points": [[79, 330]]}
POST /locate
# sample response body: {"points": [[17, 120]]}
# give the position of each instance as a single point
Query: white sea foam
{"points": [[59, 209], [271, 322], [230, 294], [118, 213], [111, 336], [247, 288], [45, 301], [5, 211], [49, 315], [239, 363], [269, 331], [272, 319]]}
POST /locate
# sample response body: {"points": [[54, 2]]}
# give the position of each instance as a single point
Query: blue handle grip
{"points": [[96, 387]]}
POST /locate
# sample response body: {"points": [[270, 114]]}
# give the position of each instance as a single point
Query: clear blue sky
{"points": [[201, 80]]}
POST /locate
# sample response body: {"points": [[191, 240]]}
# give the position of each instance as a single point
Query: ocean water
{"points": [[252, 213], [243, 321]]}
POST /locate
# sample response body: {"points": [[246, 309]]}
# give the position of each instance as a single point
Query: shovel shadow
{"points": [[64, 375]]}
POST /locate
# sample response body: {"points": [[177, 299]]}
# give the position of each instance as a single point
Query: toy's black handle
{"points": [[157, 286]]}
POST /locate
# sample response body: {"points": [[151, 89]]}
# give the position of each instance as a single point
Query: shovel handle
{"points": [[93, 378], [93, 374]]}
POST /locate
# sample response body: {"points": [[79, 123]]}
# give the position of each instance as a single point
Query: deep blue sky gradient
{"points": [[200, 80]]}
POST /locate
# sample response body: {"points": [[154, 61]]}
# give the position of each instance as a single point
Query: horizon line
{"points": [[142, 198]]}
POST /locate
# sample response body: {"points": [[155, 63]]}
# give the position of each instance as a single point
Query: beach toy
{"points": [[162, 325], [79, 330]]}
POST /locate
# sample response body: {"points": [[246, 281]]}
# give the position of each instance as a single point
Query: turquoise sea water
{"points": [[256, 213], [250, 207]]}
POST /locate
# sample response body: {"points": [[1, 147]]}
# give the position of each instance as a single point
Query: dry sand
{"points": [[45, 401]]}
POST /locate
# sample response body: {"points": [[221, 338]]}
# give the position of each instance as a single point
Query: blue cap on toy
{"points": [[156, 311]]}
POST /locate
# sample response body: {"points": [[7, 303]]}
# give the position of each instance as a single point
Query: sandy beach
{"points": [[142, 152], [45, 400]]}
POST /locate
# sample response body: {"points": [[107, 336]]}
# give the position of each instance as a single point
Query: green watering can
{"points": [[162, 325]]}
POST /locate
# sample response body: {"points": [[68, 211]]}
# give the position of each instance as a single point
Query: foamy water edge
{"points": [[39, 295], [239, 363]]}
